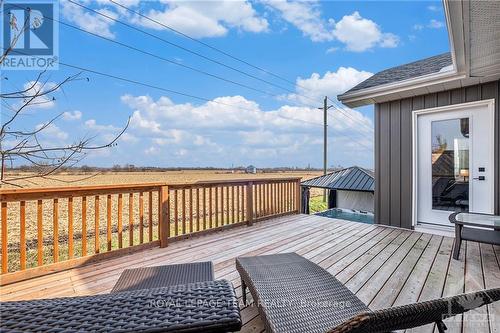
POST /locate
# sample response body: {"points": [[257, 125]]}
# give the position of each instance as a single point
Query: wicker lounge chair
{"points": [[175, 298], [295, 295]]}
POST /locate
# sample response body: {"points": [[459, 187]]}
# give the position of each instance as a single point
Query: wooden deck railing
{"points": [[51, 229]]}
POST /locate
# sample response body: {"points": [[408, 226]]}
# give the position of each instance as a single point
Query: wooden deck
{"points": [[383, 266]]}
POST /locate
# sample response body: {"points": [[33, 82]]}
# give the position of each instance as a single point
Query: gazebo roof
{"points": [[351, 179]]}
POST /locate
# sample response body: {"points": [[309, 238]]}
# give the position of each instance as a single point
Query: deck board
{"points": [[455, 284], [389, 292], [491, 273], [384, 266], [474, 280]]}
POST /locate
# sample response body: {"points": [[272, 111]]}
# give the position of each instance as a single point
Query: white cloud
{"points": [[206, 18], [152, 150], [92, 124], [89, 21], [360, 34], [435, 8], [171, 136], [357, 33], [332, 49], [196, 18], [72, 115], [182, 152], [139, 122], [33, 88], [389, 40], [128, 3], [129, 138], [52, 131], [330, 84], [232, 129], [306, 16], [435, 24]]}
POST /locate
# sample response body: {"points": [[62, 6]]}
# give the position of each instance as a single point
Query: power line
{"points": [[353, 126], [204, 44], [136, 82], [193, 52], [150, 85], [173, 61], [161, 58], [185, 94], [346, 136], [180, 46], [84, 69], [345, 113], [208, 58], [295, 84]]}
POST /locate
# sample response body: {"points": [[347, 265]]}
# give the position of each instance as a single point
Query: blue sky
{"points": [[323, 47]]}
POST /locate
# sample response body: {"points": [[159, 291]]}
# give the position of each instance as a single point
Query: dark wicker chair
{"points": [[295, 295], [147, 299]]}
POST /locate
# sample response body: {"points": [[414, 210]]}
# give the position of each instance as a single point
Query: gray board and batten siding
{"points": [[393, 148]]}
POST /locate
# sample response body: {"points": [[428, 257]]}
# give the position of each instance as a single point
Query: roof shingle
{"points": [[408, 71]]}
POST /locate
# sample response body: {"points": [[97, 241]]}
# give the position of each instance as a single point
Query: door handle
{"points": [[479, 178]]}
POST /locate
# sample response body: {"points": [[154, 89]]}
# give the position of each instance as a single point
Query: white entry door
{"points": [[455, 161]]}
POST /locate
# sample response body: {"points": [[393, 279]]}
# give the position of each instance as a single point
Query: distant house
{"points": [[431, 159], [351, 188], [251, 169]]}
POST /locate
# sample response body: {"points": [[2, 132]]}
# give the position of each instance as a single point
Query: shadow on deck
{"points": [[383, 266]]}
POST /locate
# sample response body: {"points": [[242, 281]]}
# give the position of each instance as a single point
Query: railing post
{"points": [[164, 217], [249, 203], [299, 198]]}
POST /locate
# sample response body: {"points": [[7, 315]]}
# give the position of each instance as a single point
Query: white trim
{"points": [[440, 230], [458, 32], [489, 103], [450, 35], [457, 35], [400, 86]]}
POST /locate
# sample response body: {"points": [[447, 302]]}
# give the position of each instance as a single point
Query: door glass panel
{"points": [[450, 165]]}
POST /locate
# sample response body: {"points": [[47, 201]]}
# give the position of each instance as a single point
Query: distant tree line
{"points": [[133, 168]]}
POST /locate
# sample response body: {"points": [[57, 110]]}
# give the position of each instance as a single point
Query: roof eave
{"points": [[400, 89], [457, 23], [457, 35]]}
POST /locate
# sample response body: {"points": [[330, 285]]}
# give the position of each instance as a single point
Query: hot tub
{"points": [[348, 214]]}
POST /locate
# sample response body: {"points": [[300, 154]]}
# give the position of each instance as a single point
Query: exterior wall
{"points": [[393, 149], [355, 200]]}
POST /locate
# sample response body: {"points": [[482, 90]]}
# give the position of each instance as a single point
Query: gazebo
{"points": [[350, 188]]}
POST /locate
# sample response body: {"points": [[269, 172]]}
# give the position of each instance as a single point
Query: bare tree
{"points": [[19, 145], [16, 30]]}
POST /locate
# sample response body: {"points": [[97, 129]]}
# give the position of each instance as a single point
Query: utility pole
{"points": [[325, 141], [325, 109]]}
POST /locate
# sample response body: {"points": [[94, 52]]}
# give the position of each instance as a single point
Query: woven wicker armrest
{"points": [[418, 314], [198, 307]]}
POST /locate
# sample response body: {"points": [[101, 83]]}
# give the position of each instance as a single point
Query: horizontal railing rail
{"points": [[44, 230]]}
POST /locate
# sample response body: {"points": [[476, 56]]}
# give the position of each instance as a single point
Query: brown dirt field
{"points": [[110, 178], [172, 177]]}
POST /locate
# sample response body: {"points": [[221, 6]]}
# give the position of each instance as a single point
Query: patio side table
{"points": [[482, 228], [164, 276]]}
